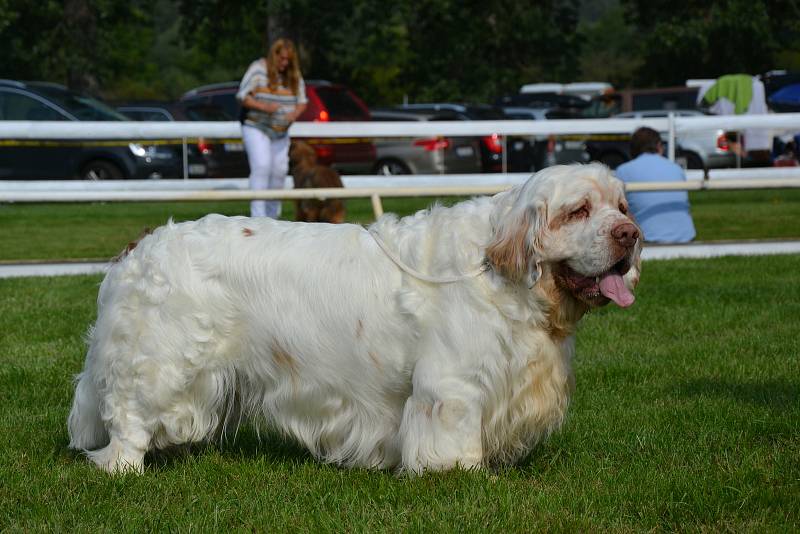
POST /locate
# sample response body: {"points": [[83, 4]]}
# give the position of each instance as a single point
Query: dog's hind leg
{"points": [[86, 428]]}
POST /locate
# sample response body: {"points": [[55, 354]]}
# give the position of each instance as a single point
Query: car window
{"points": [[340, 104], [561, 114], [18, 107], [207, 113], [391, 118], [446, 116], [486, 114], [83, 107], [159, 115], [228, 104], [519, 116]]}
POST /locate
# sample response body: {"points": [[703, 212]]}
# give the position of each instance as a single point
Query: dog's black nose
{"points": [[625, 234]]}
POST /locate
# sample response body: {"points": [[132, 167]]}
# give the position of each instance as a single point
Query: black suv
{"points": [[84, 159], [207, 157]]}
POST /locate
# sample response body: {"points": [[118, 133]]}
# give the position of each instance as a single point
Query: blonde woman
{"points": [[272, 94]]}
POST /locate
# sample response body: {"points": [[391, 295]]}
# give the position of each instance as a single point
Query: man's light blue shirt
{"points": [[663, 215]]}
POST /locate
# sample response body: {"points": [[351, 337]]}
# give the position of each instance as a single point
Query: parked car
{"points": [[542, 101], [89, 160], [423, 155], [698, 149], [326, 102], [207, 157], [625, 100], [519, 157], [551, 149]]}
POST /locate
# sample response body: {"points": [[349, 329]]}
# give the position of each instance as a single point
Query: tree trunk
{"points": [[81, 34]]}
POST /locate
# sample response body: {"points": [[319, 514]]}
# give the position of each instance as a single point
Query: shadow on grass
{"points": [[773, 394], [244, 445], [272, 448]]}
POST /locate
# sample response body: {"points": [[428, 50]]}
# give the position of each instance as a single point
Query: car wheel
{"points": [[101, 170], [391, 167], [612, 160]]}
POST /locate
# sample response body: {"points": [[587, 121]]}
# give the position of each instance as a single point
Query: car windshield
{"points": [[206, 113], [83, 107], [486, 114]]}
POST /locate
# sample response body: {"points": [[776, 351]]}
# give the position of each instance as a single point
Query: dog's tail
{"points": [[86, 429]]}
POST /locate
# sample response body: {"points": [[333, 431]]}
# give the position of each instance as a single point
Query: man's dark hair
{"points": [[645, 140]]}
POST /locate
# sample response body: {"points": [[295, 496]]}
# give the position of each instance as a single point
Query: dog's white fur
{"points": [[312, 328]]}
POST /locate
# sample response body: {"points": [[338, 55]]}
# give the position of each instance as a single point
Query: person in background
{"points": [[272, 94], [662, 215]]}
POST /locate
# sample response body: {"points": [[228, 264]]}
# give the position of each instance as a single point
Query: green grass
{"points": [[686, 416], [100, 231]]}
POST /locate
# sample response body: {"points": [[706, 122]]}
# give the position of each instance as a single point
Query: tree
{"points": [[702, 39]]}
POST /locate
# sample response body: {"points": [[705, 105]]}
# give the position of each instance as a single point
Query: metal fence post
{"points": [[671, 139], [185, 160], [505, 153]]}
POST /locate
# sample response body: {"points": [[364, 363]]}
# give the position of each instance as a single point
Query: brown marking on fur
{"points": [[375, 360], [247, 232], [509, 254], [132, 245], [564, 310], [359, 329], [284, 359], [566, 215]]}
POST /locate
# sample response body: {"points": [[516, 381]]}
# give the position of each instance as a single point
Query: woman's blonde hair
{"points": [[292, 74]]}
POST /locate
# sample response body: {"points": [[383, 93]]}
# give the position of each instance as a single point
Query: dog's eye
{"points": [[623, 208], [580, 213]]}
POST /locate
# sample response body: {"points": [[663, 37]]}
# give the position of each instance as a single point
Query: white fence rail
{"points": [[779, 122], [371, 186]]}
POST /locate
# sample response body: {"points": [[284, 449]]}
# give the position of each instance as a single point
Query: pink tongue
{"points": [[613, 287]]}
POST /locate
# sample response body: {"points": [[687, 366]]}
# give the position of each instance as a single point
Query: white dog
{"points": [[437, 340]]}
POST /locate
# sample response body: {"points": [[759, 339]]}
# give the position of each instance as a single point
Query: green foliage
{"points": [[607, 54], [422, 50], [708, 39]]}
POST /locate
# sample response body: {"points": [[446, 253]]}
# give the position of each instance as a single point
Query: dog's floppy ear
{"points": [[516, 247]]}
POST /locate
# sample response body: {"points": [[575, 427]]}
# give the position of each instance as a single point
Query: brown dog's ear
{"points": [[515, 250]]}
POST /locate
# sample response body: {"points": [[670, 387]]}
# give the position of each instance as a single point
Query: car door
{"points": [[26, 159]]}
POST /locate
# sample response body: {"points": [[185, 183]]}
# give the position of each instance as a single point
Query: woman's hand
{"points": [[269, 107], [296, 112]]}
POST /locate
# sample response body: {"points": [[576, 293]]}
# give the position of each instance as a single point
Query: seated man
{"points": [[663, 215]]}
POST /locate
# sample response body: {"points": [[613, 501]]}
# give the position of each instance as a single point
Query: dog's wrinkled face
{"points": [[574, 220]]}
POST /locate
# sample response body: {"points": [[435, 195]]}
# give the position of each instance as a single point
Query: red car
{"points": [[326, 102]]}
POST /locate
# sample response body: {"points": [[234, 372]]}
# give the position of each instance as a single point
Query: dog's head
{"points": [[302, 152], [571, 223]]}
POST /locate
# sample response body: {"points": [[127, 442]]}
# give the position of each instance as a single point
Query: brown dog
{"points": [[308, 173]]}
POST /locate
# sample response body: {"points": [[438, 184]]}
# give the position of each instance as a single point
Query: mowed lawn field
{"points": [[686, 416], [99, 231]]}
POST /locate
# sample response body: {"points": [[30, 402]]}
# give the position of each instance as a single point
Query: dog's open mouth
{"points": [[598, 289]]}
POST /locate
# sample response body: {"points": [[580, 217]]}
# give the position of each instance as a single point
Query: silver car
{"points": [[696, 149], [423, 155]]}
